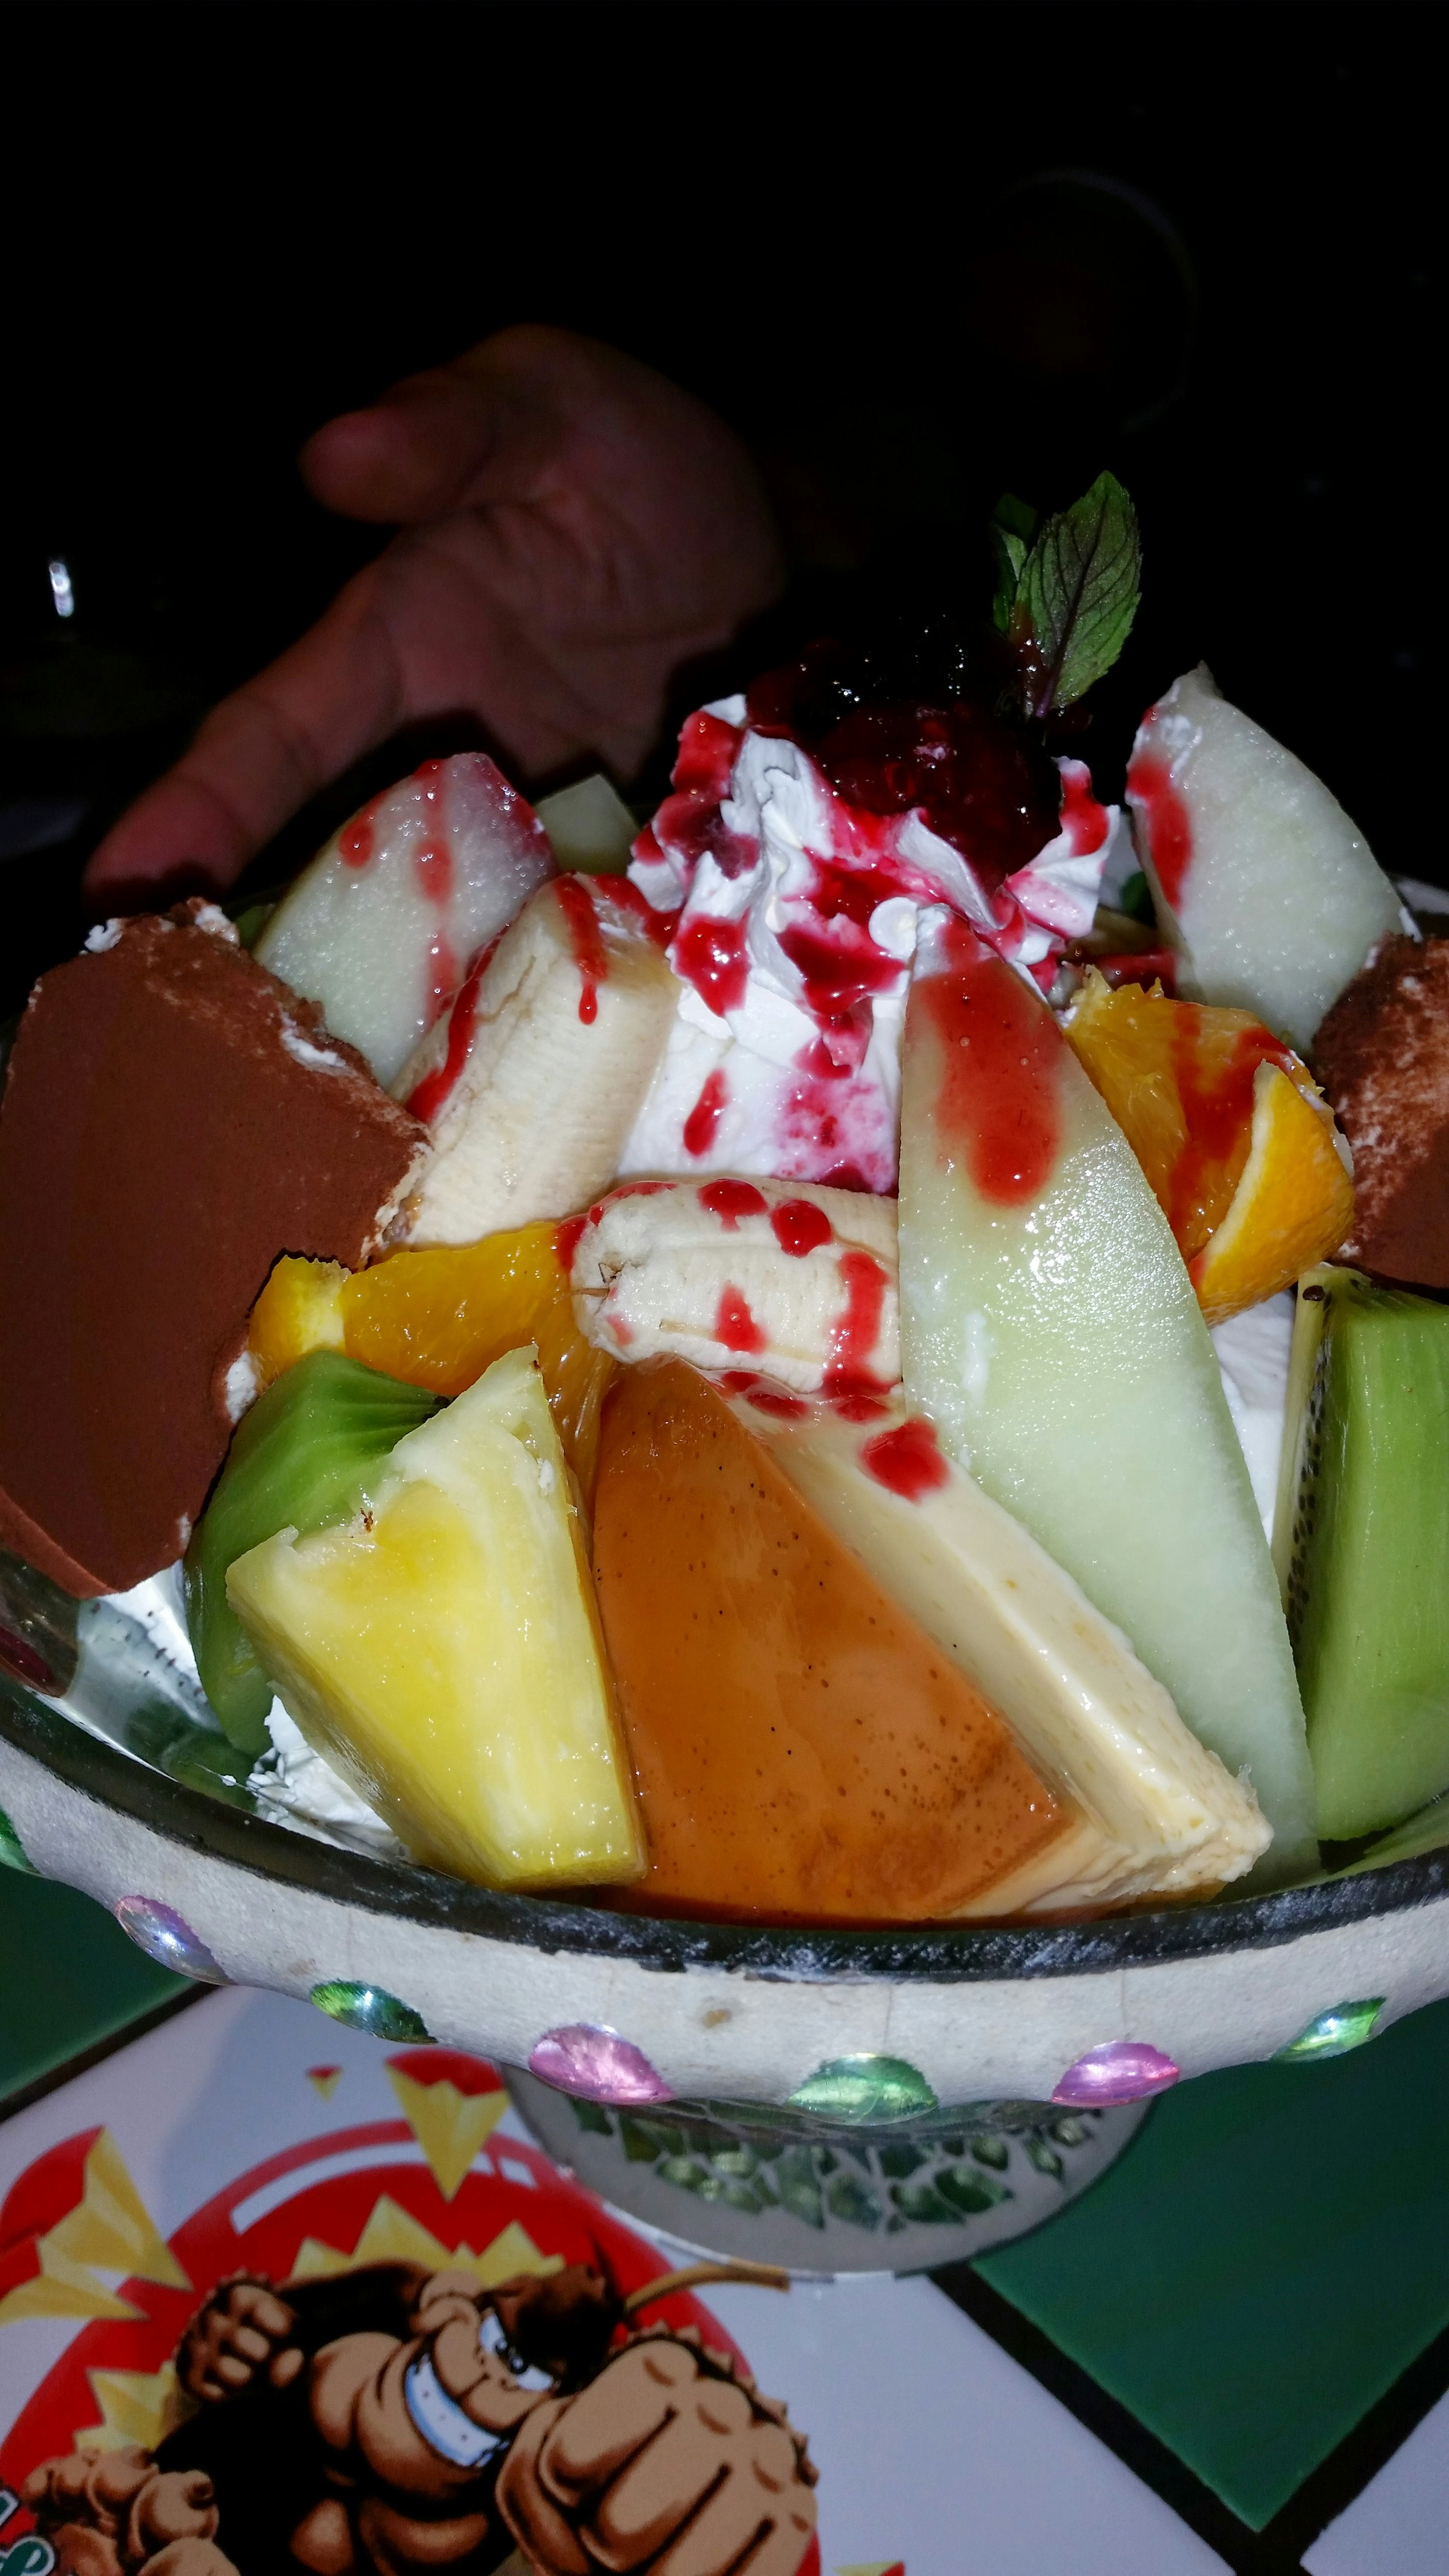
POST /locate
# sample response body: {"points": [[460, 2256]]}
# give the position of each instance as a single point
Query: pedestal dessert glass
{"points": [[833, 2100]]}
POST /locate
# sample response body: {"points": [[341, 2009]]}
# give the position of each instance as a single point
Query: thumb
{"points": [[430, 444]]}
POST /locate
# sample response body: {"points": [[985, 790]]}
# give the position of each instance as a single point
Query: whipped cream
{"points": [[1252, 1355], [796, 917], [294, 1786]]}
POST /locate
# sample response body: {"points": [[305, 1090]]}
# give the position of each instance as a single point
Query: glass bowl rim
{"points": [[932, 1953]]}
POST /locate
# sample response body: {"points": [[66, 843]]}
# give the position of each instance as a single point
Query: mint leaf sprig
{"points": [[1066, 590]]}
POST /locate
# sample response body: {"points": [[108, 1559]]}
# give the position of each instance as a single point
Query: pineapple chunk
{"points": [[442, 1650]]}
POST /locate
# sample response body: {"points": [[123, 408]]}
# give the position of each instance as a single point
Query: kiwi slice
{"points": [[1362, 1541], [301, 1458]]}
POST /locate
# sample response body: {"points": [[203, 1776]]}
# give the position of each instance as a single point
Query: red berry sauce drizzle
{"points": [[703, 1121], [730, 1200], [999, 1103], [855, 1335], [799, 1226], [1169, 824], [907, 1460], [428, 1096], [587, 940], [734, 1325]]}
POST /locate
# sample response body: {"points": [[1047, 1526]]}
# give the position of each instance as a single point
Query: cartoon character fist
{"points": [[114, 2513], [666, 2436], [242, 2328]]}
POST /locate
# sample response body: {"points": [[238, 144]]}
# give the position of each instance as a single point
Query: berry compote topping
{"points": [[920, 725]]}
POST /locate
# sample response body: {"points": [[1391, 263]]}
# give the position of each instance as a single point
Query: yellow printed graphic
{"points": [[136, 2406], [449, 2126], [109, 2227], [392, 2235], [107, 2230]]}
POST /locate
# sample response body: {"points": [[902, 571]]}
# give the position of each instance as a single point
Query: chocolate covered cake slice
{"points": [[1382, 1056], [174, 1118]]}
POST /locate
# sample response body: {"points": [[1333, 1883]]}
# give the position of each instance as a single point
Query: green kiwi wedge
{"points": [[1362, 1546], [300, 1459]]}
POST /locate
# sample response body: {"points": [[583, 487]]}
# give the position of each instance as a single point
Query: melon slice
{"points": [[441, 1648], [1271, 896], [1050, 1332], [380, 928]]}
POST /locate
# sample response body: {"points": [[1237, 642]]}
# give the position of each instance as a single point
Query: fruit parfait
{"points": [[824, 1361]]}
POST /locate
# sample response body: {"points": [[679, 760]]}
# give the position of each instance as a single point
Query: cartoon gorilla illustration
{"points": [[391, 2421]]}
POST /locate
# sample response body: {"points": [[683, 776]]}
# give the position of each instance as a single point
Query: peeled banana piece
{"points": [[787, 1277], [1158, 1814], [533, 1080]]}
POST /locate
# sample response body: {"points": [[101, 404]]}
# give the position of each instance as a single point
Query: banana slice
{"points": [[533, 1080], [786, 1276], [1159, 1814]]}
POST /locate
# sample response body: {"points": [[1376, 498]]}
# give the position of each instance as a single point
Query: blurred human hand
{"points": [[573, 529]]}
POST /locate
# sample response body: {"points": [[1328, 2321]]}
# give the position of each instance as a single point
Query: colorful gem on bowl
{"points": [[167, 1937], [19, 1656], [863, 2090], [369, 2008], [1335, 2033], [1123, 2070], [596, 2065], [12, 1849]]}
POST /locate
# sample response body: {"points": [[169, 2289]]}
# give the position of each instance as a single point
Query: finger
{"points": [[286, 2366], [664, 2483], [428, 444], [249, 2345], [232, 2372], [533, 2518], [630, 2401], [746, 2529], [263, 2309], [262, 753]]}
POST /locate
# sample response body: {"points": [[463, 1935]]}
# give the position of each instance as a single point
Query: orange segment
{"points": [[299, 1310], [1292, 1207], [1185, 1082], [439, 1318]]}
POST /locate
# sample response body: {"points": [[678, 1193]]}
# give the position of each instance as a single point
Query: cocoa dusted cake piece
{"points": [[174, 1118], [1382, 1056]]}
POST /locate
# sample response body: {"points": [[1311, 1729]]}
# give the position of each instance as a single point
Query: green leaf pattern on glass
{"points": [[880, 2184]]}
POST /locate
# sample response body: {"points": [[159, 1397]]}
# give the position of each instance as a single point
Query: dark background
{"points": [[224, 224]]}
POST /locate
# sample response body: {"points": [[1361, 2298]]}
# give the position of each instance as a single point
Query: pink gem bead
{"points": [[167, 1937], [1126, 2070], [597, 2065]]}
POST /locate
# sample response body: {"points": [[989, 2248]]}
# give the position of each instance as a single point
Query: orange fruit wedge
{"points": [[438, 1319], [1229, 1153], [1292, 1207]]}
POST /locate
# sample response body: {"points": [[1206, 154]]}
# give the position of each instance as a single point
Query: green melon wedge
{"points": [[1050, 1332], [1363, 1546]]}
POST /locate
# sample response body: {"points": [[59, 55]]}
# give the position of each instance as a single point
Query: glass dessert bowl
{"points": [[722, 1565]]}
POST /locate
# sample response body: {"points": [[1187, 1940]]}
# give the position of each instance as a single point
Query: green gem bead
{"points": [[865, 2089], [370, 2008], [12, 1849], [1335, 2033]]}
